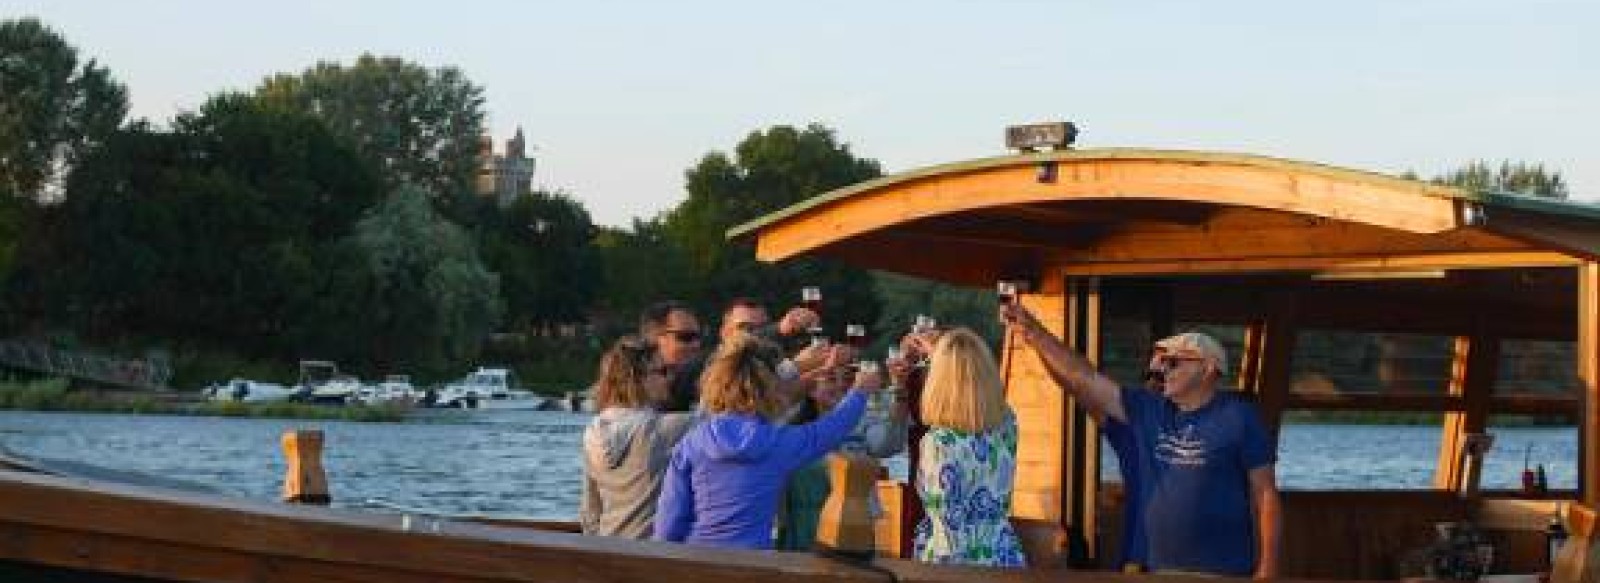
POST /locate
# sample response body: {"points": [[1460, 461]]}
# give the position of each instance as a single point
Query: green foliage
{"points": [[420, 125], [542, 247], [212, 233], [904, 298], [639, 266], [411, 289], [53, 110], [770, 170], [1517, 177]]}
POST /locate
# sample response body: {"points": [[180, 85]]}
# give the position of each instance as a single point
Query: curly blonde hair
{"points": [[963, 390], [739, 377]]}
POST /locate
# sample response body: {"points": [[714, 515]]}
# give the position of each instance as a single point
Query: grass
{"points": [[55, 394]]}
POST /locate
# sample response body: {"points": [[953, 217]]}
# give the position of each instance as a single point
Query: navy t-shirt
{"points": [[1129, 463], [1196, 483]]}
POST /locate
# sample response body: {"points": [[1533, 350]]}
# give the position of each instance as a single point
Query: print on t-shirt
{"points": [[1181, 447]]}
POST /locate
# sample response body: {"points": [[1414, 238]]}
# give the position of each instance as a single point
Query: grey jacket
{"points": [[625, 455]]}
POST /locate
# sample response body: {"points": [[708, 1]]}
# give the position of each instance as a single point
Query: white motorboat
{"points": [[248, 391], [488, 389], [395, 388]]}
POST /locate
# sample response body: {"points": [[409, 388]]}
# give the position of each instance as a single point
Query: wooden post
{"points": [[1579, 561], [1081, 468], [1275, 367], [846, 522], [1472, 375], [1589, 376], [306, 482]]}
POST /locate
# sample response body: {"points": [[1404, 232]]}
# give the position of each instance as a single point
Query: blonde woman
{"points": [[968, 458], [725, 478], [628, 445]]}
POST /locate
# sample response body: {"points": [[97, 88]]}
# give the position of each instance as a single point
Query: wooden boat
{"points": [[1121, 246]]}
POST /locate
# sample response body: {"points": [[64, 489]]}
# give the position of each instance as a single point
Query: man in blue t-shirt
{"points": [[1206, 488]]}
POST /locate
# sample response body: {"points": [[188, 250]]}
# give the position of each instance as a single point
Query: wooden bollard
{"points": [[306, 482], [846, 525]]}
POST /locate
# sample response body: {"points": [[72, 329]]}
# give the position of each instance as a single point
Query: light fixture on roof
{"points": [[1041, 136], [1037, 137]]}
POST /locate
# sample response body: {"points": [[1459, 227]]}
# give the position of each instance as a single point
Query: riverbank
{"points": [[56, 395]]}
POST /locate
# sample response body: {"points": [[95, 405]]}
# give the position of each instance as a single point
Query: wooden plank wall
{"points": [[1041, 408]]}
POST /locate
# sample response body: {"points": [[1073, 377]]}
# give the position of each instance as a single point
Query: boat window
{"points": [[1538, 367], [1319, 453], [1335, 362], [1529, 441], [1127, 341]]}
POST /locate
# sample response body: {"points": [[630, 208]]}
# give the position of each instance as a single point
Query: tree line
{"points": [[330, 213]]}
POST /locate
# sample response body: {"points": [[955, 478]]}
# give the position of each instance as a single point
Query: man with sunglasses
{"points": [[672, 326], [1208, 493]]}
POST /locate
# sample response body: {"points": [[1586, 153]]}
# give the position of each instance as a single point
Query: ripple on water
{"points": [[527, 463]]}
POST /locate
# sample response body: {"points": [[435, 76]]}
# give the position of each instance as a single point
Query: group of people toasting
{"points": [[722, 446]]}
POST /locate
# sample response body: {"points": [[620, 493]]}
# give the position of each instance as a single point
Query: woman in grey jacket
{"points": [[627, 447]]}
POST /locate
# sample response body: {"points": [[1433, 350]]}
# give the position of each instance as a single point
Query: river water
{"points": [[526, 464]]}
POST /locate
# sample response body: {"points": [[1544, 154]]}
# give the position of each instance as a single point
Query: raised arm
{"points": [[819, 437], [1098, 394]]}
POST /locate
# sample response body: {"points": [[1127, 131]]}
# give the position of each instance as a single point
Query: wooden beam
{"points": [[1240, 182], [1324, 264], [1473, 369], [1220, 240], [1279, 332], [1081, 469], [1589, 375]]}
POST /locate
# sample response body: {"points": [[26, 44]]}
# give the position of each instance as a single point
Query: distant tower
{"points": [[505, 177]]}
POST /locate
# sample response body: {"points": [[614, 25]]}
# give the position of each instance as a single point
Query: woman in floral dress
{"points": [[968, 458]]}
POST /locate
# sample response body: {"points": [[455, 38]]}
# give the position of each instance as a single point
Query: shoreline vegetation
{"points": [[55, 395]]}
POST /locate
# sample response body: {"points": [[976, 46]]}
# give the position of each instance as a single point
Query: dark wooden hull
{"points": [[71, 529]]}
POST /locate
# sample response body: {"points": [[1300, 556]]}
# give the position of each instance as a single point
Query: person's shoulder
{"points": [[1138, 397]]}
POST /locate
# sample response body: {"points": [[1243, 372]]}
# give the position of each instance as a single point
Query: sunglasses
{"points": [[686, 336]]}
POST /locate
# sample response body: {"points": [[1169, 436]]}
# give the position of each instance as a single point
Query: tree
{"points": [[1515, 177], [212, 232], [53, 109], [421, 126], [639, 266], [542, 247], [770, 170], [413, 287]]}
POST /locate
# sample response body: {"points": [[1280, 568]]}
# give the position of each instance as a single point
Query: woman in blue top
{"points": [[969, 458], [723, 483]]}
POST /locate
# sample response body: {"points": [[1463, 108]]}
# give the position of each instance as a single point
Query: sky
{"points": [[620, 98]]}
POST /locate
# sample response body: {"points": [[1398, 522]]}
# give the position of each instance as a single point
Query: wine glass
{"points": [[856, 336], [811, 299], [1007, 291]]}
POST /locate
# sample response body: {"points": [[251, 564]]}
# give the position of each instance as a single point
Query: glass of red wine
{"points": [[856, 336], [811, 299], [1007, 290]]}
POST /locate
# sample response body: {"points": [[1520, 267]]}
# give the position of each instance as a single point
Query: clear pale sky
{"points": [[621, 97]]}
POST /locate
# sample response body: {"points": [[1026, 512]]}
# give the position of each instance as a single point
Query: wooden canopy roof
{"points": [[1166, 212]]}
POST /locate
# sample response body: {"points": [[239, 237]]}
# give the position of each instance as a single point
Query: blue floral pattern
{"points": [[965, 482]]}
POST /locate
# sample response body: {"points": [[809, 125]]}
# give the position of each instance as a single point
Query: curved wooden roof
{"points": [[1137, 211]]}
